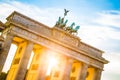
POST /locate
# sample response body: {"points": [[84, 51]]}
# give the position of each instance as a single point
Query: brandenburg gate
{"points": [[58, 54]]}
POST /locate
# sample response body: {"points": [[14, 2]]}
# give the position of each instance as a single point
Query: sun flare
{"points": [[52, 62]]}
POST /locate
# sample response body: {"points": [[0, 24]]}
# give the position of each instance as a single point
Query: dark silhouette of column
{"points": [[83, 71], [5, 50], [97, 75]]}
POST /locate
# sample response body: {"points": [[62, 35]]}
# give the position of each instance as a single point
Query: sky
{"points": [[99, 22]]}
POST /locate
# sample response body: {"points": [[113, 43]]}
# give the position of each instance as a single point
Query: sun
{"points": [[52, 62]]}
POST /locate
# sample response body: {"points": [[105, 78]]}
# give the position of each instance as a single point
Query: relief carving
{"points": [[70, 40], [62, 36], [30, 25]]}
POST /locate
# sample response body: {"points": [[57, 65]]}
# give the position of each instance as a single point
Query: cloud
{"points": [[43, 15], [47, 16], [114, 65], [111, 70], [109, 18], [103, 31]]}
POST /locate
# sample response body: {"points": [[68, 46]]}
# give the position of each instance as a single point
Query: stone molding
{"points": [[52, 37], [54, 33], [62, 49]]}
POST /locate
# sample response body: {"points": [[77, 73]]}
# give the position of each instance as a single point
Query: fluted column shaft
{"points": [[24, 62], [97, 75], [67, 70], [6, 47], [83, 71], [43, 66]]}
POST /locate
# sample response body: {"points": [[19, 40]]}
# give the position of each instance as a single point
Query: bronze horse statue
{"points": [[75, 29], [70, 27]]}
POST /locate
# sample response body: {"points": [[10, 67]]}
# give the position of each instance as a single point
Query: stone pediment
{"points": [[54, 34]]}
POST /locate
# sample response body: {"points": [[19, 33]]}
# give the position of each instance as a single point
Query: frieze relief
{"points": [[30, 25], [64, 37], [57, 35], [69, 39]]}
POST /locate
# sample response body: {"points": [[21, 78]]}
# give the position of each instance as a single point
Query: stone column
{"points": [[6, 47], [67, 69], [24, 62], [43, 66], [83, 71], [97, 75]]}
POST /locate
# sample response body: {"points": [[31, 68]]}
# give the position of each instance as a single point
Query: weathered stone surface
{"points": [[5, 50], [83, 71], [68, 68], [62, 36], [79, 55], [24, 62], [52, 38]]}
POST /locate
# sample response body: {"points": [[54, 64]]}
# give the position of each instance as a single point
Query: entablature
{"points": [[54, 34]]}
